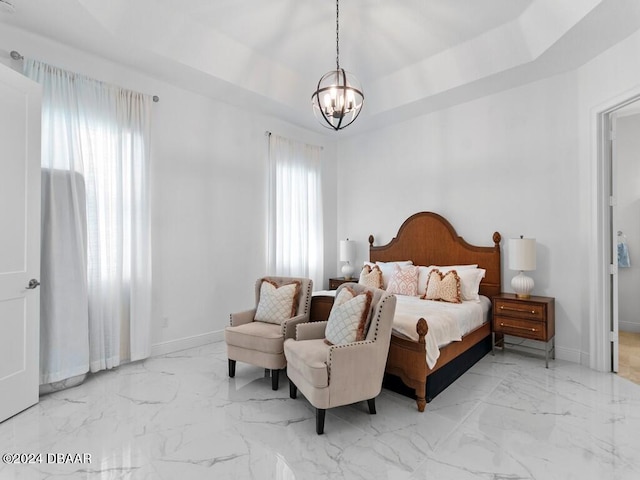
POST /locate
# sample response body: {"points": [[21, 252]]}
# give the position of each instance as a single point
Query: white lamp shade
{"points": [[522, 254], [347, 250]]}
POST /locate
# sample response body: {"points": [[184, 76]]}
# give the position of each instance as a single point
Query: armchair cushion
{"points": [[277, 303], [348, 320], [258, 336], [310, 358]]}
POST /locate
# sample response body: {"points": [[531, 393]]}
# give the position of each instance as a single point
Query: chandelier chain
{"points": [[337, 36]]}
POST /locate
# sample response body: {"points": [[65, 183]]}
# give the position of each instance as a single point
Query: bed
{"points": [[427, 238]]}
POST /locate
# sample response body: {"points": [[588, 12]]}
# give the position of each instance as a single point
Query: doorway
{"points": [[625, 214]]}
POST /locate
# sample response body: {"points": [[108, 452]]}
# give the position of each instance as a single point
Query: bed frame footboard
{"points": [[407, 360]]}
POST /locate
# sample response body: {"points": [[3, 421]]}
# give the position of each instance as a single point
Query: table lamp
{"points": [[522, 256], [347, 254]]}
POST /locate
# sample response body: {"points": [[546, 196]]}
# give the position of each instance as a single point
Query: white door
{"points": [[20, 112]]}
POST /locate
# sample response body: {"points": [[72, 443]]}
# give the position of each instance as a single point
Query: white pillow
{"points": [[387, 269], [470, 282], [423, 277], [348, 318], [277, 303], [457, 268]]}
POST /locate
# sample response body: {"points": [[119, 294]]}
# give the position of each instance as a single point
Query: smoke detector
{"points": [[7, 6]]}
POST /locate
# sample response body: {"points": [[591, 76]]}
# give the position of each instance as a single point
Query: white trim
{"points": [[598, 334], [599, 357], [179, 344], [569, 354]]}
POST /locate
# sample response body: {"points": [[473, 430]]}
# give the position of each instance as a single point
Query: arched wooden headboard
{"points": [[427, 238]]}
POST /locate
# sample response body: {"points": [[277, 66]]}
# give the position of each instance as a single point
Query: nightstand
{"points": [[334, 283], [532, 318]]}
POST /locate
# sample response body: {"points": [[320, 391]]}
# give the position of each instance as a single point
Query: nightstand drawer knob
{"points": [[519, 328], [521, 310]]}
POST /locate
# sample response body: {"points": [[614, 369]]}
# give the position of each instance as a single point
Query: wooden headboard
{"points": [[426, 238]]}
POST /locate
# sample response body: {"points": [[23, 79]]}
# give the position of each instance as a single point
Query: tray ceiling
{"points": [[411, 57]]}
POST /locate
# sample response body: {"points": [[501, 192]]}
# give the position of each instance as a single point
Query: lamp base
{"points": [[347, 271], [522, 285]]}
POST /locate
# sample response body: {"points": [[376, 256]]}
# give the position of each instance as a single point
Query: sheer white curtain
{"points": [[99, 132], [295, 232]]}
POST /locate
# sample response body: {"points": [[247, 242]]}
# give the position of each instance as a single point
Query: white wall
{"points": [[502, 163], [208, 180], [522, 161], [627, 161]]}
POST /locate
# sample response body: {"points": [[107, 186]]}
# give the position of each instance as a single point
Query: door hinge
{"points": [[612, 201], [613, 336], [613, 269], [612, 134]]}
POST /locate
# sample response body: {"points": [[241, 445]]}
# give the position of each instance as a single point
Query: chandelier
{"points": [[338, 98]]}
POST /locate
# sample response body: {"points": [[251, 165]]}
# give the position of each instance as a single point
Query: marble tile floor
{"points": [[180, 417]]}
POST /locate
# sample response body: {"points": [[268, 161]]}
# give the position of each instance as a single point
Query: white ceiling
{"points": [[411, 56]]}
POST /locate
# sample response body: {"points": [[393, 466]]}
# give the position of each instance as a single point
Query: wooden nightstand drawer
{"points": [[534, 330], [334, 283], [521, 309]]}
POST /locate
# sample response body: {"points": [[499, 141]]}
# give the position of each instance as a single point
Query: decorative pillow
{"points": [[470, 283], [348, 320], [277, 303], [404, 281], [387, 269], [371, 277], [423, 273], [445, 287]]}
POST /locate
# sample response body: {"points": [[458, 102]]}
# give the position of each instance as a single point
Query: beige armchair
{"points": [[334, 375], [261, 343]]}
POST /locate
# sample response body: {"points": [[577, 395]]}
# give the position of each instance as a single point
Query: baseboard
{"points": [[562, 353], [629, 327], [179, 344], [585, 359], [569, 354]]}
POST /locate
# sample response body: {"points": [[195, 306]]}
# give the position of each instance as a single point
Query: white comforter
{"points": [[447, 322]]}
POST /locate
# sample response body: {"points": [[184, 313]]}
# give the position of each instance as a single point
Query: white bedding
{"points": [[447, 322]]}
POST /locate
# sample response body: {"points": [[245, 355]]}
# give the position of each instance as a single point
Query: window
{"points": [[97, 133], [295, 233]]}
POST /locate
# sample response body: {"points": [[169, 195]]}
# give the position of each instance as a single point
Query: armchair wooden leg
{"points": [[232, 368], [275, 376], [320, 420], [372, 406], [293, 390]]}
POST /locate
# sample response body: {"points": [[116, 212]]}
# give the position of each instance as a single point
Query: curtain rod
{"points": [[267, 133], [17, 56]]}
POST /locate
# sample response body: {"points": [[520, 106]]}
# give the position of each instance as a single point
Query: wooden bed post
{"points": [[421, 389]]}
